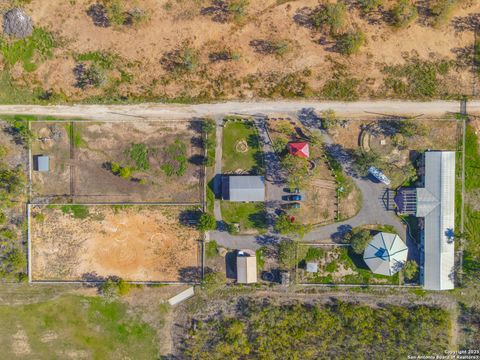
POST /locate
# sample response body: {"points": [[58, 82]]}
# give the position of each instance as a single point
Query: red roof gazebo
{"points": [[300, 149]]}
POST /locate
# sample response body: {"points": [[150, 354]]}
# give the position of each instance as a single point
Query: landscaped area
{"points": [[318, 177], [241, 153], [135, 243], [338, 265], [95, 162], [75, 327], [249, 216]]}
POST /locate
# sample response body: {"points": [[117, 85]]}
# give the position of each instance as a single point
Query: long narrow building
{"points": [[435, 204]]}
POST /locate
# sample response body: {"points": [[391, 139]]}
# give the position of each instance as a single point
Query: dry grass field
{"points": [[203, 50], [134, 243], [83, 158]]}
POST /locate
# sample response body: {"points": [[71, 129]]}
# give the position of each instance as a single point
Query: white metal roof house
{"points": [[385, 254], [436, 204], [246, 268], [243, 188], [42, 163]]}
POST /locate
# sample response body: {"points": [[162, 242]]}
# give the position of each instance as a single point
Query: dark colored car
{"points": [[294, 197], [291, 206]]}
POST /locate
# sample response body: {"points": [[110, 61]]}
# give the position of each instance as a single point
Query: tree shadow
{"points": [[189, 217], [357, 259], [231, 264], [259, 220], [309, 118], [339, 235], [471, 22], [464, 56], [197, 160], [218, 11], [195, 124], [197, 142], [190, 274]]}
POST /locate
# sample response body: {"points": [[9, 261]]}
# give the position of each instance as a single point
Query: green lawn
{"points": [[250, 216], [88, 327], [235, 134], [472, 189]]}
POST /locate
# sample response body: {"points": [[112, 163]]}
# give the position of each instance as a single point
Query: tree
{"points": [[287, 253], [410, 128], [363, 160], [329, 119], [359, 239], [213, 280], [330, 15], [207, 222], [286, 225], [350, 43], [297, 168], [404, 13], [410, 269]]}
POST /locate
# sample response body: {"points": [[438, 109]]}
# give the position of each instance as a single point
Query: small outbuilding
{"points": [[42, 163], [243, 188], [312, 267], [300, 149], [246, 267], [385, 254]]}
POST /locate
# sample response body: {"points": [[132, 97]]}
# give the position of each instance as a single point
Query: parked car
{"points": [[294, 205], [294, 197]]}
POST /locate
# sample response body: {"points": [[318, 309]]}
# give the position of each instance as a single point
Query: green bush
{"points": [[77, 211], [285, 226], [359, 239], [314, 253], [341, 87], [287, 253], [211, 249], [410, 269], [368, 6], [139, 154], [238, 8], [3, 218], [125, 172], [213, 281], [351, 42], [15, 260], [331, 267], [404, 13], [331, 16], [442, 11], [207, 222], [175, 159]]}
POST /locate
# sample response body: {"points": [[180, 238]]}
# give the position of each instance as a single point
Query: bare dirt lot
{"points": [[136, 243], [229, 59], [162, 161]]}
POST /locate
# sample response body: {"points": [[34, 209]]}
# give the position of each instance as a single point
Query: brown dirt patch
{"points": [[134, 243], [175, 22], [79, 163]]}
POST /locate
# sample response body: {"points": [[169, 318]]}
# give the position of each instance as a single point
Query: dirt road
{"points": [[175, 111]]}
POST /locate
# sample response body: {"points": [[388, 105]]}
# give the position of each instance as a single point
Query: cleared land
{"points": [[75, 327], [134, 243], [119, 162], [199, 50]]}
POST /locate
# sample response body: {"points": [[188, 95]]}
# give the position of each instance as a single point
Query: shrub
{"points": [[213, 281], [350, 43], [15, 260], [207, 222], [359, 239], [88, 75], [125, 172], [139, 155], [211, 249], [404, 13], [332, 16], [3, 218], [184, 60], [370, 5], [341, 87], [78, 211], [314, 253], [175, 159], [287, 253], [442, 11], [238, 8], [329, 119], [8, 234], [410, 269]]}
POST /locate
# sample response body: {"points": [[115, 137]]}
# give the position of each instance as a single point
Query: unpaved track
{"points": [[174, 111]]}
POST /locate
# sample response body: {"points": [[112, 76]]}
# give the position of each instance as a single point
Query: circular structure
{"points": [[385, 254], [241, 146], [17, 23]]}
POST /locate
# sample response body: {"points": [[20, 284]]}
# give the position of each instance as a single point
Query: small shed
{"points": [[246, 268], [42, 163], [300, 149], [312, 267]]}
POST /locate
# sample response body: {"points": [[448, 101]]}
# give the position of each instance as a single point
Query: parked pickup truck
{"points": [[294, 205]]}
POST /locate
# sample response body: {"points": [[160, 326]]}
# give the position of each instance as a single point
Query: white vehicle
{"points": [[379, 175]]}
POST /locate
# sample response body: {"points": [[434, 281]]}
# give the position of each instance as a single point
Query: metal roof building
{"points": [[246, 268], [243, 188], [436, 204], [385, 254], [42, 163]]}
